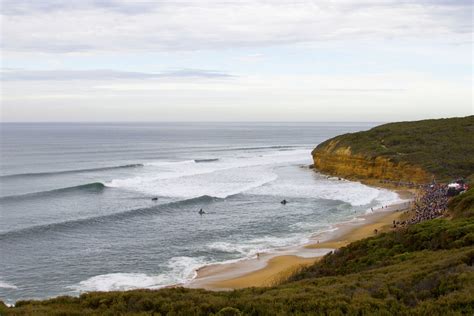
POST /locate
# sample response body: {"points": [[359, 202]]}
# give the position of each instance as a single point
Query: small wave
{"points": [[51, 173], [324, 232], [183, 269], [256, 148], [94, 187], [6, 285], [245, 249], [250, 248], [206, 160], [104, 218], [169, 163], [313, 226]]}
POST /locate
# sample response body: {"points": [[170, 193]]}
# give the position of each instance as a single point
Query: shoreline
{"points": [[271, 268]]}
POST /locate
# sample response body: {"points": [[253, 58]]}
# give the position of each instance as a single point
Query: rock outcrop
{"points": [[340, 161]]}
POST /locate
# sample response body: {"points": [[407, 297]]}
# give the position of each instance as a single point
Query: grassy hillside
{"points": [[426, 269], [444, 147], [463, 204]]}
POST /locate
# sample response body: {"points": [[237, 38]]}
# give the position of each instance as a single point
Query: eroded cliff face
{"points": [[341, 162]]}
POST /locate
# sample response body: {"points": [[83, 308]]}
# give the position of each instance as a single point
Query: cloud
{"points": [[120, 25], [102, 74], [389, 96], [21, 7], [26, 7]]}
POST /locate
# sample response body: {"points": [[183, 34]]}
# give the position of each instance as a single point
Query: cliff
{"points": [[407, 151], [341, 162]]}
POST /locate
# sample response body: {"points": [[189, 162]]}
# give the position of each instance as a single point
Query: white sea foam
{"points": [[177, 270], [217, 183], [354, 193], [219, 178], [120, 282], [231, 247], [250, 172], [250, 248], [6, 285], [183, 269]]}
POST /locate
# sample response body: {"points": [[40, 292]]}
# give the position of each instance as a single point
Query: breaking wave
{"points": [[52, 173], [177, 270], [6, 285], [94, 187], [206, 160]]}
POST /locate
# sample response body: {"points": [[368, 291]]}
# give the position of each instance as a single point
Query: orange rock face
{"points": [[340, 162]]}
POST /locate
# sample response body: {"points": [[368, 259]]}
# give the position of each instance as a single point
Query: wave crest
{"points": [[6, 285], [94, 187], [52, 173]]}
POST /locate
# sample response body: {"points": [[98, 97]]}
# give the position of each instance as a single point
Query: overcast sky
{"points": [[236, 60]]}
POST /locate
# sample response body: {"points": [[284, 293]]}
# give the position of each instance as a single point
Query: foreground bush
{"points": [[463, 204]]}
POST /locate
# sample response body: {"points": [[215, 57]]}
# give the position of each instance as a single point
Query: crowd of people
{"points": [[432, 202]]}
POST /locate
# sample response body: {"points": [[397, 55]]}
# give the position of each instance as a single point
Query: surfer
{"points": [[284, 202], [201, 212], [154, 199]]}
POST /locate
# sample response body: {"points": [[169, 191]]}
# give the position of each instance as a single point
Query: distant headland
{"points": [[416, 152]]}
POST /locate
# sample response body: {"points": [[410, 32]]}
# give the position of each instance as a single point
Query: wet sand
{"points": [[270, 268]]}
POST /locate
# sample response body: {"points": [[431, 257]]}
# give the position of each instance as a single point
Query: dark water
{"points": [[76, 210]]}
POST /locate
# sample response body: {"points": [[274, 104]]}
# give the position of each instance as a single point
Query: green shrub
{"points": [[463, 204], [229, 311]]}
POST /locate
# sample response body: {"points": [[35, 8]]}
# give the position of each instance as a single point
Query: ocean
{"points": [[76, 208]]}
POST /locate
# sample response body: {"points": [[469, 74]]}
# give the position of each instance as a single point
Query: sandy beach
{"points": [[270, 268]]}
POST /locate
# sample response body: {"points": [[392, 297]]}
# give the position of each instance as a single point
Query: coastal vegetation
{"points": [[463, 204], [418, 151]]}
